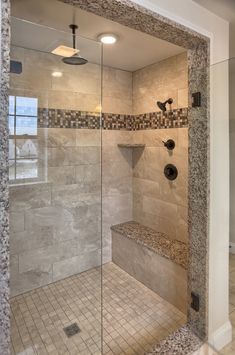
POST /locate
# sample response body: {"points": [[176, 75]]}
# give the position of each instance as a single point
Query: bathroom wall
{"points": [[77, 89], [55, 223], [157, 202], [160, 81]]}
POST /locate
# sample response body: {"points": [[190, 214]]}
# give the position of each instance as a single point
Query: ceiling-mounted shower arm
{"points": [[74, 28], [74, 59]]}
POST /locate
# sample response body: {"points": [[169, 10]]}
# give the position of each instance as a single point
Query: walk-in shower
{"points": [[98, 226]]}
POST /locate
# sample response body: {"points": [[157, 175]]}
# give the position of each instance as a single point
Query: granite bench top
{"points": [[156, 241]]}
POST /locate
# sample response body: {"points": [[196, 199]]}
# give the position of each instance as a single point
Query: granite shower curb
{"points": [[181, 342]]}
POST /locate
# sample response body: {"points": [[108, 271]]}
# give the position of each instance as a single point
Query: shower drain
{"points": [[72, 329]]}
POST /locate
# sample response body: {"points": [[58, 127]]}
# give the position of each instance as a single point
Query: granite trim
{"points": [[135, 16], [59, 118], [156, 241], [181, 342], [140, 18], [4, 198]]}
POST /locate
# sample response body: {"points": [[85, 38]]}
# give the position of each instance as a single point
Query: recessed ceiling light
{"points": [[57, 74], [107, 38]]}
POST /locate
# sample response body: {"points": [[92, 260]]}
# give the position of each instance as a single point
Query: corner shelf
{"points": [[122, 145]]}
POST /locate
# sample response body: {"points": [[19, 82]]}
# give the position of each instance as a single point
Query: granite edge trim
{"points": [[135, 16], [130, 230], [4, 197], [183, 341]]}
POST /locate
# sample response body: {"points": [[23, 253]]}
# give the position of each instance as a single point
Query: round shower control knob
{"points": [[170, 172], [169, 144]]}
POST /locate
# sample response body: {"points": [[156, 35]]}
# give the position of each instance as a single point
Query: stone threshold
{"points": [[181, 342]]}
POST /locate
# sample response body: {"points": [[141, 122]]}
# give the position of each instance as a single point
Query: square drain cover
{"points": [[72, 330]]}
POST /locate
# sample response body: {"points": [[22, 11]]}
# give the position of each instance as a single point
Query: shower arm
{"points": [[74, 28]]}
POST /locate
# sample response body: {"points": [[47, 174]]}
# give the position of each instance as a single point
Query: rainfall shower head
{"points": [[75, 59], [162, 105]]}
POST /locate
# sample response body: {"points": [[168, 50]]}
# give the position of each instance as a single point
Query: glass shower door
{"points": [[55, 194]]}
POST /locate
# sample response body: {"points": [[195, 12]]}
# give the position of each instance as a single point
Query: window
{"points": [[23, 138]]}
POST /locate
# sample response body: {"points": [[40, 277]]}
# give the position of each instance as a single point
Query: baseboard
{"points": [[232, 248], [222, 336]]}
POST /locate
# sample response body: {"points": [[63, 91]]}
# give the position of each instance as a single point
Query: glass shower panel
{"points": [[55, 194]]}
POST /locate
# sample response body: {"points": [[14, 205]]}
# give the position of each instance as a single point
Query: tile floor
{"points": [[134, 317]]}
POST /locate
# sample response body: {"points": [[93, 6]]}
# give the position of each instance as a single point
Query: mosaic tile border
{"points": [[58, 118]]}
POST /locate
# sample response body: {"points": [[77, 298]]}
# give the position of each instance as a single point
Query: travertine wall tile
{"points": [[58, 222], [116, 184], [78, 89], [157, 202], [170, 280], [159, 82], [69, 205]]}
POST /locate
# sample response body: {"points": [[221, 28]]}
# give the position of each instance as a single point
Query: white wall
{"points": [[196, 17]]}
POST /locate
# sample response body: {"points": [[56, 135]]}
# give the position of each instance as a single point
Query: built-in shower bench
{"points": [[154, 259]]}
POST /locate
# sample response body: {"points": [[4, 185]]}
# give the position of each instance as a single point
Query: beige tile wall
{"points": [[160, 81], [157, 202], [123, 92], [78, 89], [55, 225], [116, 184]]}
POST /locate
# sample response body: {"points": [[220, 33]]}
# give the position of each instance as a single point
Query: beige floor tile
{"points": [[134, 317]]}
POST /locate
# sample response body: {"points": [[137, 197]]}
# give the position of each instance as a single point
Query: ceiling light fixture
{"points": [[107, 38], [57, 74]]}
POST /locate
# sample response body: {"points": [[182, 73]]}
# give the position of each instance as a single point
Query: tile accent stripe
{"points": [[58, 118], [156, 120]]}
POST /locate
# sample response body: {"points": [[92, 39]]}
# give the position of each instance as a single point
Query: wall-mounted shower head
{"points": [[162, 105], [75, 59]]}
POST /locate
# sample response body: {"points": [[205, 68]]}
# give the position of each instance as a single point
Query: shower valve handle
{"points": [[169, 144]]}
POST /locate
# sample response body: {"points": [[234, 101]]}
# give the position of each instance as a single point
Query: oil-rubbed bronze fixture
{"points": [[169, 144], [170, 172], [196, 99], [162, 105]]}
